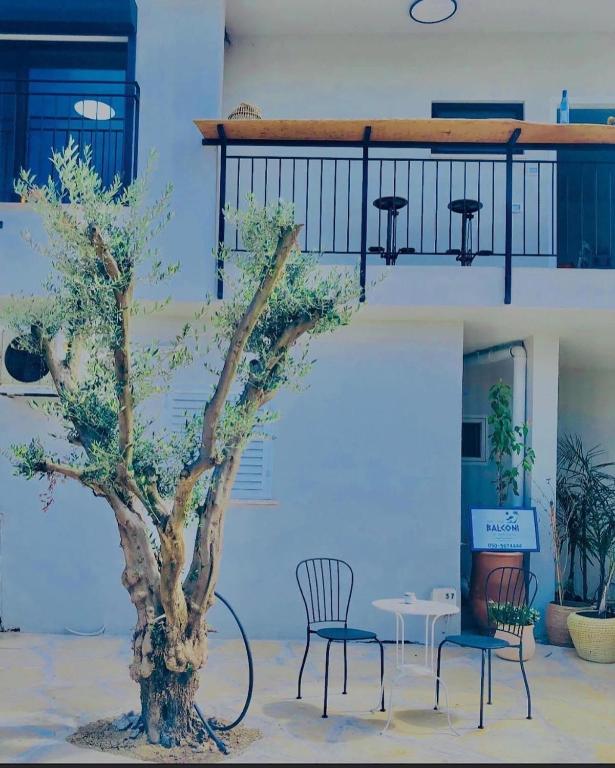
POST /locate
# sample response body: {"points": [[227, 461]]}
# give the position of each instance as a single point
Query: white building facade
{"points": [[366, 464]]}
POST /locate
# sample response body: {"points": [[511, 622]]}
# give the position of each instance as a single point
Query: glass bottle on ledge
{"points": [[564, 109]]}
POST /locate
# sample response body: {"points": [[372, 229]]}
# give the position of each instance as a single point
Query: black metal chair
{"points": [[326, 586], [515, 590]]}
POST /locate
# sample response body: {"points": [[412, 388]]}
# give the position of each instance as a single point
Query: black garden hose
{"points": [[210, 732], [246, 642], [212, 725]]}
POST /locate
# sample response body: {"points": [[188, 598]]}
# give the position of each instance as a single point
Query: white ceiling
{"points": [[587, 341], [390, 17], [586, 338]]}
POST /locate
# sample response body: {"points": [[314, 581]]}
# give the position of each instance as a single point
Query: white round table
{"points": [[431, 610]]}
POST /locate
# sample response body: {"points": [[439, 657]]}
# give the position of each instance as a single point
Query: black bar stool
{"points": [[392, 205], [467, 208]]}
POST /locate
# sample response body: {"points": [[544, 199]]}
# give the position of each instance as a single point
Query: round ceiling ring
{"points": [[416, 3]]}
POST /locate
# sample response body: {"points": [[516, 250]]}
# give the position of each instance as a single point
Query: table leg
{"points": [[433, 639]]}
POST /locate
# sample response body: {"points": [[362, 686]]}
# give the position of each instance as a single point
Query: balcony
{"points": [[545, 191], [38, 116]]}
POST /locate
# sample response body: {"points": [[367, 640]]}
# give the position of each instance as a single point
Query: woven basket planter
{"points": [[593, 638], [557, 623], [245, 111]]}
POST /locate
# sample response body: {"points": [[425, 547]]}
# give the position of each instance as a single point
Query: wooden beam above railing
{"points": [[409, 132]]}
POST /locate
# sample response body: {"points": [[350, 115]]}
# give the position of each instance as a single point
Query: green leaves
{"points": [[96, 239], [507, 441], [101, 244], [28, 458], [586, 498], [74, 205], [308, 298], [511, 614]]}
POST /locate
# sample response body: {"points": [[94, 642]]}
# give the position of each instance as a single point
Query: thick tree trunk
{"points": [[167, 695], [167, 710]]}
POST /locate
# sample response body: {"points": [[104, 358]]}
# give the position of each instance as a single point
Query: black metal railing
{"points": [[326, 192], [552, 204], [39, 116]]}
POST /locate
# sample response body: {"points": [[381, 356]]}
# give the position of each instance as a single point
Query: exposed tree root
{"points": [[106, 736]]}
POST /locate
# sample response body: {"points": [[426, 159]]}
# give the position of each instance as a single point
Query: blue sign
{"points": [[504, 529]]}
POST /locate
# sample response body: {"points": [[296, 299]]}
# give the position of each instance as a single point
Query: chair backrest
{"points": [[326, 585], [510, 594]]}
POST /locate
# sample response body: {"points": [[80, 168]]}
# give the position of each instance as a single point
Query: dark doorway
{"points": [[585, 200]]}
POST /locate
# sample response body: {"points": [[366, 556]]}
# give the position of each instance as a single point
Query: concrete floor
{"points": [[49, 684]]}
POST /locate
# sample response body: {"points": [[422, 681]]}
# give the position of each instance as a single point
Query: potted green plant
{"points": [[559, 608], [560, 518], [509, 614], [586, 497], [581, 527], [586, 486], [510, 456], [593, 632]]}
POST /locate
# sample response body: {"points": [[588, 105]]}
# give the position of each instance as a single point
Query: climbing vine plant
{"points": [[508, 441]]}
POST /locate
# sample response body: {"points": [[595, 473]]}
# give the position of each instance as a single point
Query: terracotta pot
{"points": [[482, 565], [593, 638], [512, 654], [557, 622]]}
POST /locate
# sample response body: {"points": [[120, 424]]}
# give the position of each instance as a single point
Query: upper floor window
{"points": [[53, 87], [477, 110]]}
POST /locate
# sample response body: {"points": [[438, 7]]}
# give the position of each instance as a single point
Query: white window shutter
{"points": [[253, 481], [184, 406]]}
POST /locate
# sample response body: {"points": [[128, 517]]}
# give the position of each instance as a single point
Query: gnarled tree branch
{"points": [[121, 353], [235, 351], [60, 372], [203, 573], [202, 576], [172, 553], [52, 467], [289, 336], [140, 578]]}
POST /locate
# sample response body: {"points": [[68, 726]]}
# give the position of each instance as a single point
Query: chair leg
{"points": [[305, 655], [482, 687], [324, 712], [489, 676], [345, 669], [527, 687], [382, 708], [438, 674]]}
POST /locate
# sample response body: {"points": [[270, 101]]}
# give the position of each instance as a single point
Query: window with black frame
{"points": [[51, 91], [478, 110]]}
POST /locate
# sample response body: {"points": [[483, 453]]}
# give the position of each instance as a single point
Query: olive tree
{"points": [[101, 244]]}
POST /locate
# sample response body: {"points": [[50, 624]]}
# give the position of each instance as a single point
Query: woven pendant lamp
{"points": [[245, 111]]}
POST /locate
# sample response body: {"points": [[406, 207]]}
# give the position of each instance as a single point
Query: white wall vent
{"points": [[22, 374], [253, 482]]}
